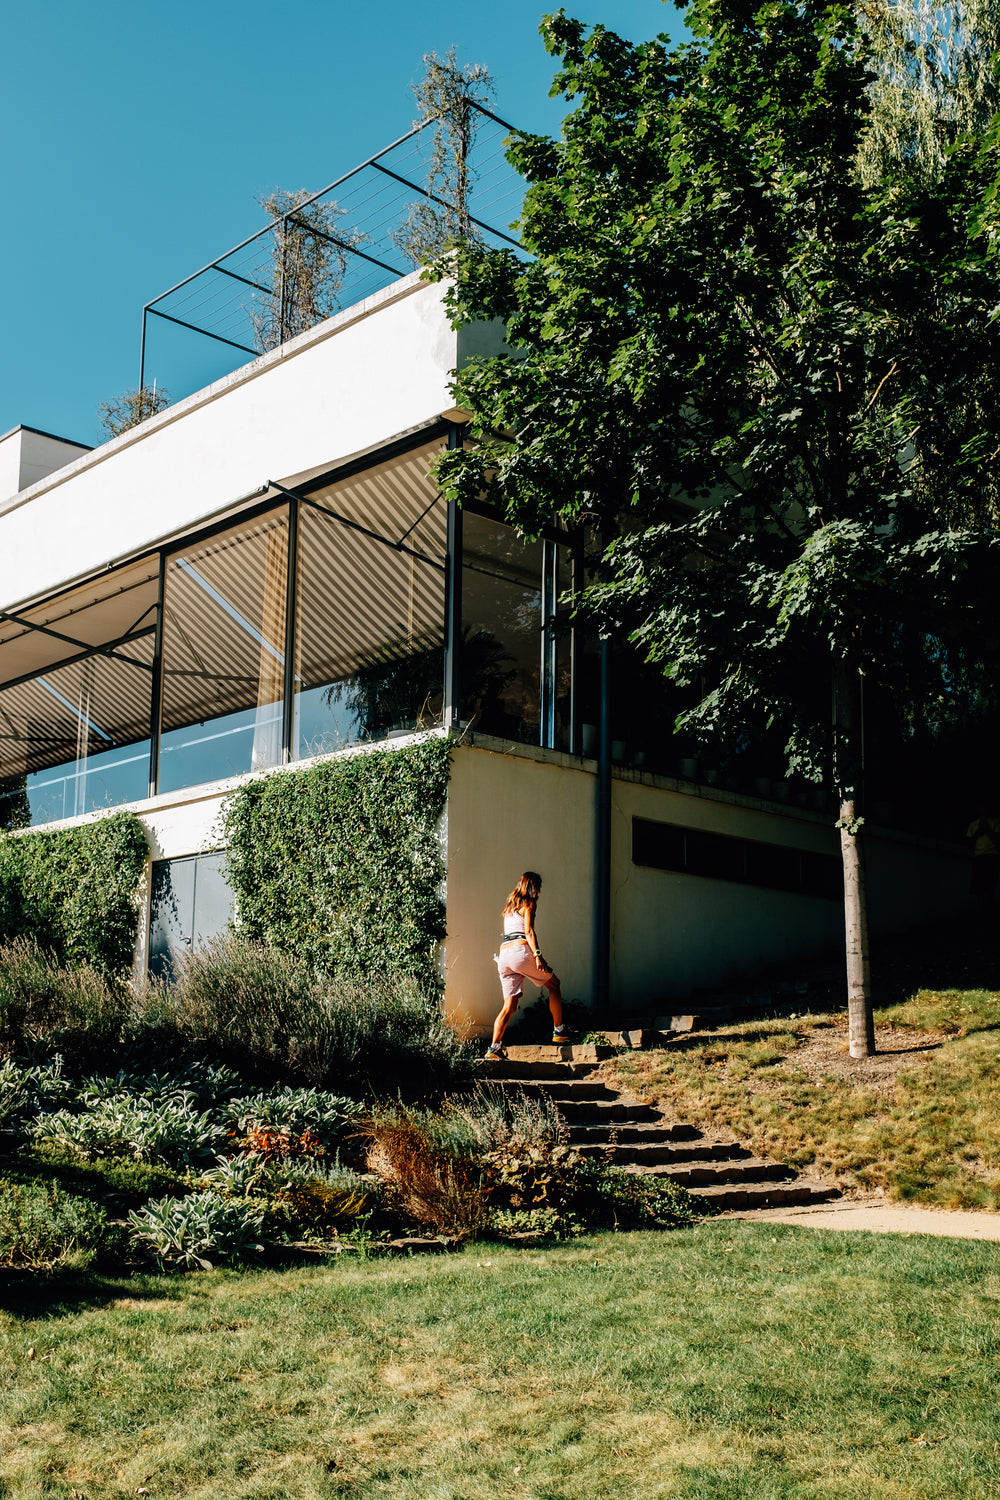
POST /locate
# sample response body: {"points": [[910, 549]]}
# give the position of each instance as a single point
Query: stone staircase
{"points": [[639, 1138]]}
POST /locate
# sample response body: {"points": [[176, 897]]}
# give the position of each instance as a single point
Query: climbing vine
{"points": [[75, 890], [341, 863]]}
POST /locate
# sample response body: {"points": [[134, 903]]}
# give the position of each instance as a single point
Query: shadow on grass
{"points": [[32, 1294]]}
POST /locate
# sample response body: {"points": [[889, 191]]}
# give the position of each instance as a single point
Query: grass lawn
{"points": [[922, 1120], [729, 1360]]}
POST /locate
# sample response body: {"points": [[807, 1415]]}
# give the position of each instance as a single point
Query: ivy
{"points": [[74, 891], [341, 863]]}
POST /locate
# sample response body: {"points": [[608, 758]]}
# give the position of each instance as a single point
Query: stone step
{"points": [[579, 1052], [599, 1112], [762, 1194], [728, 1170], [519, 1070], [567, 1089], [654, 1131], [665, 1153]]}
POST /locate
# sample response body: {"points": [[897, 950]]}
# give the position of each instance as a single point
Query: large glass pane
{"points": [[224, 654], [190, 902], [75, 738], [501, 630], [370, 607]]}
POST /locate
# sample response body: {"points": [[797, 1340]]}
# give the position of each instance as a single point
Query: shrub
{"points": [[200, 1230], [77, 1010], [550, 1188], [42, 1227], [429, 1163], [294, 1113], [167, 1131], [341, 863], [266, 1014], [194, 1079], [496, 1116], [29, 986], [24, 1091], [118, 1184], [325, 1201], [74, 891]]}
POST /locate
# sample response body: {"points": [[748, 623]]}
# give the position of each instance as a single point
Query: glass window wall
{"points": [[370, 607], [76, 737], [224, 654], [516, 659]]}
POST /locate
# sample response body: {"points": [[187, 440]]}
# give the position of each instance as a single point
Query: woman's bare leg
{"points": [[555, 1001], [503, 1019]]}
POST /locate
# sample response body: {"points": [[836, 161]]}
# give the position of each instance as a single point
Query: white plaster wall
{"points": [[27, 456], [370, 373], [908, 881], [508, 813], [10, 463], [672, 933], [512, 809]]}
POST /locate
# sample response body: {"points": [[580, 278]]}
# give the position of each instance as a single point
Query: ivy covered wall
{"points": [[75, 891], [341, 863]]}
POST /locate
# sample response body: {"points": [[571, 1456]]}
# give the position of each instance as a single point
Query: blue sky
{"points": [[137, 137]]}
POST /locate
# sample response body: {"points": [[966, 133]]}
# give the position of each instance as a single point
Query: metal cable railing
{"points": [[334, 248]]}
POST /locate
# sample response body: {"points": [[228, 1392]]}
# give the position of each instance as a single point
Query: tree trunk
{"points": [[861, 1019]]}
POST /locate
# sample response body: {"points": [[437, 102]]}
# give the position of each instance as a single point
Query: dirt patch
{"points": [[824, 1053]]}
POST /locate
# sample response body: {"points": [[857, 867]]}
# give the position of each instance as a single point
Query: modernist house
{"points": [[264, 573]]}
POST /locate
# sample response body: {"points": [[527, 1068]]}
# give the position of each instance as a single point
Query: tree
{"points": [[766, 384], [934, 80], [309, 262], [131, 408], [446, 94]]}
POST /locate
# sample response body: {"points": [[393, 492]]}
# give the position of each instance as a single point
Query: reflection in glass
{"points": [[190, 902], [501, 630], [75, 738], [370, 607], [223, 654]]}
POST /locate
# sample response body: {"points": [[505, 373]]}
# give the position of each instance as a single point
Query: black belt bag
{"points": [[514, 937]]}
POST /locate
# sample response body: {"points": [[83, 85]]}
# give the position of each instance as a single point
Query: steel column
{"points": [[156, 696], [602, 872], [291, 594], [453, 606]]}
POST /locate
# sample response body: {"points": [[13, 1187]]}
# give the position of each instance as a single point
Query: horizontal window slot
{"points": [[720, 856]]}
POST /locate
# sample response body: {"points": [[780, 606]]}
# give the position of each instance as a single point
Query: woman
{"points": [[519, 959]]}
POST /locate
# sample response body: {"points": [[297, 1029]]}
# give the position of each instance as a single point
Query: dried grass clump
{"points": [[436, 1180]]}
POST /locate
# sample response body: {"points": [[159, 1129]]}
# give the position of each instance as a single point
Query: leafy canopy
{"points": [[769, 387]]}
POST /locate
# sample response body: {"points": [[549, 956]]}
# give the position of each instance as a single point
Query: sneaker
{"points": [[495, 1053], [563, 1036]]}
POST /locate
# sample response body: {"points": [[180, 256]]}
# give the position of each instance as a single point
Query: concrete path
{"points": [[881, 1218]]}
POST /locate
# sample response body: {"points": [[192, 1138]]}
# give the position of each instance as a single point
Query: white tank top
{"points": [[513, 922]]}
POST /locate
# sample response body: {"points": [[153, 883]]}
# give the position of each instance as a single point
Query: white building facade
{"points": [[265, 573]]}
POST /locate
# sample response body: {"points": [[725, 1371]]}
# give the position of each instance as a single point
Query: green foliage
{"points": [[25, 1090], [272, 1017], [200, 1230], [309, 249], [116, 1184], [131, 408], [341, 863], [935, 80], [445, 95], [770, 387], [42, 1227], [75, 891], [168, 1131], [298, 1112]]}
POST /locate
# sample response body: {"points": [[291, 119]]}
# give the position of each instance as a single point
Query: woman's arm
{"points": [[529, 932]]}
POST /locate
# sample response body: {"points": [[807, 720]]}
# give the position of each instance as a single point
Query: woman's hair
{"points": [[524, 895]]}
